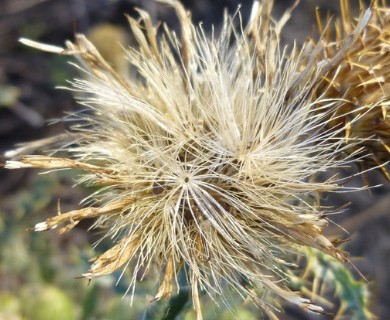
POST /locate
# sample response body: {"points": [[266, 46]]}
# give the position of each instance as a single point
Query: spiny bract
{"points": [[361, 82], [205, 158]]}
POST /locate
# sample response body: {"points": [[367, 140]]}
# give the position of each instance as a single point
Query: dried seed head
{"points": [[204, 160], [362, 81]]}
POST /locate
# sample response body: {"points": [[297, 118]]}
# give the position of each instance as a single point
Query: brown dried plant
{"points": [[361, 81], [204, 159]]}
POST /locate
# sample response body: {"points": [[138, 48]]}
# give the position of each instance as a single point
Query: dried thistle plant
{"points": [[362, 81], [205, 159]]}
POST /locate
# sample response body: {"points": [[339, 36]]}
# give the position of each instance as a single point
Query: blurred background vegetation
{"points": [[39, 272]]}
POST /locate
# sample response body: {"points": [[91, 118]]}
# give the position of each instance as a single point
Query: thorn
{"points": [[347, 131], [385, 145], [357, 270], [386, 173], [59, 207], [382, 165]]}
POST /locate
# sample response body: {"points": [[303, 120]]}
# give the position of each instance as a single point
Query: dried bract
{"points": [[362, 83]]}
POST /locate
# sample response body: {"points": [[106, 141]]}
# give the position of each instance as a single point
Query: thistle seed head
{"points": [[205, 159]]}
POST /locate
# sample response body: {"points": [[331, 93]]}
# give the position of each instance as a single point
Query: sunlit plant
{"points": [[206, 159]]}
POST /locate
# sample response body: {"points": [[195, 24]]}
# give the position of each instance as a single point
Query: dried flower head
{"points": [[362, 81], [205, 158]]}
